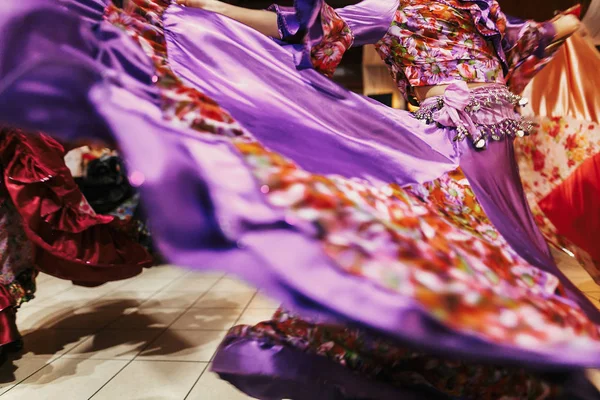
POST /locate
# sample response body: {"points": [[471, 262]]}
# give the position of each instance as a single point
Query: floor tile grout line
{"points": [[30, 375], [122, 283], [135, 358], [196, 382], [110, 379], [185, 310], [154, 293], [204, 294], [145, 347], [192, 305], [236, 322], [214, 353], [170, 283], [185, 292], [191, 291], [139, 360], [105, 327], [44, 299], [52, 360], [84, 341], [246, 308]]}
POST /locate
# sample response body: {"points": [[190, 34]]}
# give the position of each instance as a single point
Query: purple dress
{"points": [[349, 212]]}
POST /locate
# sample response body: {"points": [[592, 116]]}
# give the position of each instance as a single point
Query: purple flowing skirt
{"points": [[216, 203]]}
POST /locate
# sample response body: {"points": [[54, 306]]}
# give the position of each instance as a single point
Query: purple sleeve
{"points": [[89, 10], [526, 48], [288, 23], [325, 34], [369, 20]]}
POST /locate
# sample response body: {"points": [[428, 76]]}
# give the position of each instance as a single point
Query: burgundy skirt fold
{"points": [[72, 241], [8, 318]]}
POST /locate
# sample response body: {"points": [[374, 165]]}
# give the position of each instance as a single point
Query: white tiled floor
{"points": [[148, 338]]}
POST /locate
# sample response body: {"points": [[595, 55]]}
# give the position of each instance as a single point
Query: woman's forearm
{"points": [[261, 20], [565, 26]]}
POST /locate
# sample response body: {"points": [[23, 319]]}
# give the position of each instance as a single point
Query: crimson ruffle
{"points": [[72, 242], [8, 321]]}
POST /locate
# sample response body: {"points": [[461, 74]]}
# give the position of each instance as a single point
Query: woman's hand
{"points": [[208, 5], [93, 144], [566, 25]]}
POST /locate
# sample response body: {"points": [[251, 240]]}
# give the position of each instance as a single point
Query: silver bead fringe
{"points": [[485, 97]]}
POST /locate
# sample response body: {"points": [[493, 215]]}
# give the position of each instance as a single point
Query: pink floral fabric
{"points": [[431, 244], [554, 150], [402, 240], [337, 38], [385, 361], [528, 54], [452, 263], [327, 53], [431, 43], [439, 42]]}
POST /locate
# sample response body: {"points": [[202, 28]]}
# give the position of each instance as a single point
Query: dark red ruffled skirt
{"points": [[8, 318], [72, 241]]}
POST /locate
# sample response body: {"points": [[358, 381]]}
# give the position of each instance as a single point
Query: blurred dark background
{"points": [[350, 72], [536, 9]]}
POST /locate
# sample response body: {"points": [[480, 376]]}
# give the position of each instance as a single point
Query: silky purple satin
{"points": [[300, 24], [327, 129], [274, 372], [456, 99], [74, 93], [90, 10], [369, 20], [301, 114], [277, 372], [514, 27]]}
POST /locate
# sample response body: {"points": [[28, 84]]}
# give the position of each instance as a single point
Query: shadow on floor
{"points": [[70, 328]]}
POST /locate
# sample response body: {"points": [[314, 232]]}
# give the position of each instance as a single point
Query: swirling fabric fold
{"points": [[72, 241]]}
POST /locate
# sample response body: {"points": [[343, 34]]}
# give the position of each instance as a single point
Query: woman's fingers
{"points": [[565, 26]]}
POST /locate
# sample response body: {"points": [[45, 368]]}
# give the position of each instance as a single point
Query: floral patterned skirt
{"points": [[340, 240], [290, 350]]}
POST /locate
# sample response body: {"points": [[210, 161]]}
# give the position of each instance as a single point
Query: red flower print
{"points": [[571, 142], [539, 160], [554, 130]]}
